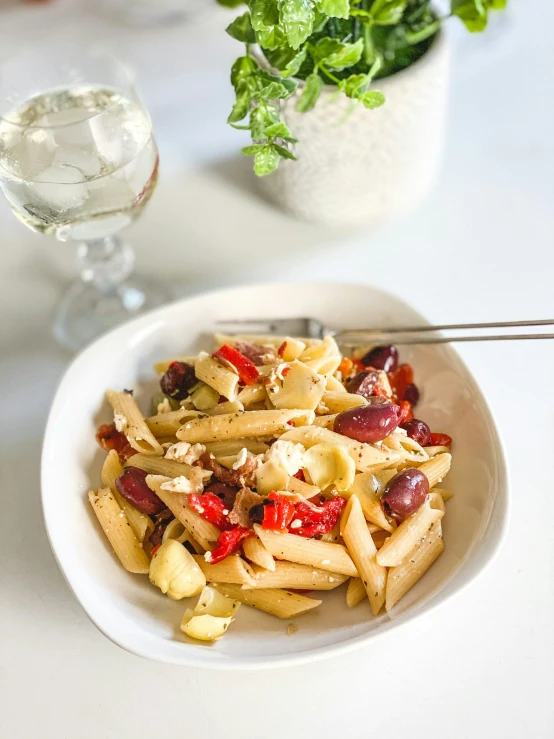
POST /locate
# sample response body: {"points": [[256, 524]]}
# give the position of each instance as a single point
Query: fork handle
{"points": [[420, 335]]}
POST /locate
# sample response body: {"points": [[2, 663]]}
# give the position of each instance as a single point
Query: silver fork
{"points": [[314, 329]]}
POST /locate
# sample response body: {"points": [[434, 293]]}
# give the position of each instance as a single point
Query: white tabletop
{"points": [[480, 248]]}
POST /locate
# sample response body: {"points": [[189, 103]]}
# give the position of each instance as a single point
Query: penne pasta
{"points": [[295, 576], [324, 365], [411, 451], [221, 379], [364, 487], [141, 524], [445, 494], [326, 421], [167, 467], [232, 569], [327, 556], [222, 408], [131, 422], [405, 575], [332, 384], [404, 538], [355, 592], [338, 402], [238, 425], [252, 395], [166, 424], [204, 532], [299, 487], [437, 501], [291, 349], [231, 447], [436, 468], [256, 552], [280, 603], [362, 550], [118, 531]]}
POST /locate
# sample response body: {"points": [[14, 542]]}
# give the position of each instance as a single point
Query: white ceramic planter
{"points": [[373, 163]]}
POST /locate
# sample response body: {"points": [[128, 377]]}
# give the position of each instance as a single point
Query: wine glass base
{"points": [[85, 312]]}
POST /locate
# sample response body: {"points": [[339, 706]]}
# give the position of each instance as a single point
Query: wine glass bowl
{"points": [[78, 160]]}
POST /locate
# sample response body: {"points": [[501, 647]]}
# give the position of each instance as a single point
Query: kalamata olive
{"points": [[132, 486], [178, 380], [404, 494], [411, 394], [227, 493], [418, 431], [369, 423], [256, 513], [363, 383], [381, 357]]}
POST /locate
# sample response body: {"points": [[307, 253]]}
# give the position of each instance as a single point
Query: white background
{"points": [[480, 248]]}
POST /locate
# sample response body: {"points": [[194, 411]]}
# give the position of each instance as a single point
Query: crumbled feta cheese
{"points": [[242, 456], [296, 524], [164, 407], [207, 556], [325, 561], [280, 369], [287, 455], [185, 453], [178, 485], [120, 421]]}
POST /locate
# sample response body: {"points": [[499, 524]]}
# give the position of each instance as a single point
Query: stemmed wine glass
{"points": [[78, 161]]}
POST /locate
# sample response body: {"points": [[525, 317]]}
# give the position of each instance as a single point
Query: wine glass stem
{"points": [[105, 263]]}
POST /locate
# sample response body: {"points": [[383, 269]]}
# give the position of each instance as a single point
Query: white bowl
{"points": [[137, 616]]}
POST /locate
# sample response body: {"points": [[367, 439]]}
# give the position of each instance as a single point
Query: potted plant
{"points": [[345, 100]]}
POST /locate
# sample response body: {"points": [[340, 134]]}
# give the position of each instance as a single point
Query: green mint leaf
{"points": [[243, 67], [241, 106], [334, 54], [389, 13], [372, 99], [241, 29], [284, 153], [334, 8], [288, 61], [473, 14], [266, 160], [297, 19], [252, 150], [265, 22], [261, 117], [281, 131], [310, 94], [355, 85], [272, 91], [290, 85], [320, 21]]}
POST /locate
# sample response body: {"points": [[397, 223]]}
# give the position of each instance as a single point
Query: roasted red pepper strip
{"points": [[281, 350], [406, 413], [400, 380], [300, 476], [228, 542], [440, 440], [210, 508], [278, 516], [318, 519], [248, 372]]}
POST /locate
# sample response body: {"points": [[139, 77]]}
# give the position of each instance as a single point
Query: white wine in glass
{"points": [[78, 161]]}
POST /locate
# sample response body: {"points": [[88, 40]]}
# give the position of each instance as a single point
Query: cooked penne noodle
{"points": [[139, 522], [445, 494], [295, 576], [252, 395], [339, 402], [300, 487], [238, 425], [318, 349], [232, 569], [364, 487], [204, 532], [362, 550], [166, 424], [432, 451], [291, 349], [131, 422], [326, 421], [405, 575], [436, 501], [230, 447], [327, 556], [404, 538], [167, 467], [222, 379], [436, 468], [324, 365], [161, 367], [118, 531], [411, 451], [255, 551], [280, 603], [333, 385], [222, 408], [367, 458], [355, 592]]}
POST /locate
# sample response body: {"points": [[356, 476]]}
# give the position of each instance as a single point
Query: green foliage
{"points": [[344, 43]]}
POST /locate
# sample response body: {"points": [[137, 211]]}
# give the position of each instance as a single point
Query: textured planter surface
{"points": [[373, 163]]}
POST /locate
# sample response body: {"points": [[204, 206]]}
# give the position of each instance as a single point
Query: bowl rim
{"points": [[501, 509]]}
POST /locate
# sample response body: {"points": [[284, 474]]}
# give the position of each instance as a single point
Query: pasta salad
{"points": [[269, 470]]}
